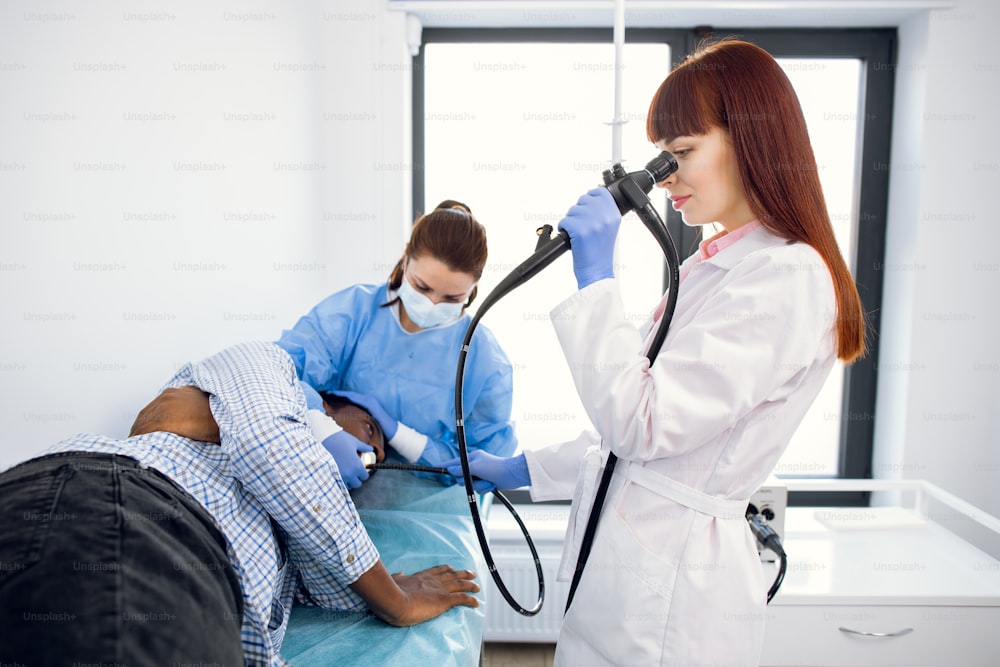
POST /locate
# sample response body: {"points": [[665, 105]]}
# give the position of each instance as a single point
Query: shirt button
{"points": [[350, 558], [317, 508]]}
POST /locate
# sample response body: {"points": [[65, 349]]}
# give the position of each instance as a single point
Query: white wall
{"points": [[74, 266], [939, 391], [178, 177]]}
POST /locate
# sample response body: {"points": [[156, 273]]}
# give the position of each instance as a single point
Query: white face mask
{"points": [[424, 312]]}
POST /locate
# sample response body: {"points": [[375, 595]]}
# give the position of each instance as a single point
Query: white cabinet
{"points": [[880, 587]]}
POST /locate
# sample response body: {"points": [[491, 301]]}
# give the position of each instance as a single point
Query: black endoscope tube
{"points": [[463, 455], [496, 494]]}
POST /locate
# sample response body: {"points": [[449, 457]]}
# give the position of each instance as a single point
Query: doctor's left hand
{"points": [[492, 471], [345, 449]]}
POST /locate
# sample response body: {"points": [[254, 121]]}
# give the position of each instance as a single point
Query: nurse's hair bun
{"points": [[454, 205]]}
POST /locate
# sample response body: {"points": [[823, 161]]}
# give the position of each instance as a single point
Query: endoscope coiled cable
{"points": [[496, 494], [481, 534]]}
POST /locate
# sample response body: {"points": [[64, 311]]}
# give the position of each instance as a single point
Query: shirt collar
{"points": [[730, 248], [711, 247]]}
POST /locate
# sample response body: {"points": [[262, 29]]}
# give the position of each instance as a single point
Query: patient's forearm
{"points": [[184, 411], [405, 600]]}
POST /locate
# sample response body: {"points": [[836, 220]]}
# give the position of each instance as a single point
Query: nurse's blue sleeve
{"points": [[488, 426], [318, 341]]}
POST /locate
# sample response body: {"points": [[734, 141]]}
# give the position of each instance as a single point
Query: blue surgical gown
{"points": [[348, 342]]}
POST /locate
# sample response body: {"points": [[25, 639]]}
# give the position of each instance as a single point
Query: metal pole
{"points": [[617, 122]]}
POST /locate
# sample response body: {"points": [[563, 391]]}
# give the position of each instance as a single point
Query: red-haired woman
{"points": [[764, 309]]}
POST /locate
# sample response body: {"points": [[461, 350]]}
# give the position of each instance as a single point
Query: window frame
{"points": [[876, 49]]}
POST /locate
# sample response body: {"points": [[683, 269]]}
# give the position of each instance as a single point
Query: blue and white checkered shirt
{"points": [[269, 466]]}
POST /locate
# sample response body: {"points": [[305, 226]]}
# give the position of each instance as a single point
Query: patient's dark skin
{"points": [[356, 421], [185, 411]]}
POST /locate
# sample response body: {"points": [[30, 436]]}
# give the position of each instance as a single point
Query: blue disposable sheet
{"points": [[415, 523]]}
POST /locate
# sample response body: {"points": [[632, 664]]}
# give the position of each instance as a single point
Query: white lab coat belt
{"points": [[687, 496]]}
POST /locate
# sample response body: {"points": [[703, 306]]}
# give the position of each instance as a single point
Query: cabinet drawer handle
{"points": [[898, 633]]}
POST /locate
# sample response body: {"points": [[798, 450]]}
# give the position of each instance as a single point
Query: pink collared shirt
{"points": [[708, 249], [711, 247]]}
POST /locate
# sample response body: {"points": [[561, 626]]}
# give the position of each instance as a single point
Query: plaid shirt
{"points": [[269, 470]]}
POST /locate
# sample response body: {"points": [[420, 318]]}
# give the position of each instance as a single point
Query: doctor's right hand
{"points": [[592, 224], [345, 449], [493, 471]]}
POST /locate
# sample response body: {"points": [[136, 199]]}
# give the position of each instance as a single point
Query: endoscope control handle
{"points": [[633, 197], [547, 252], [544, 235]]}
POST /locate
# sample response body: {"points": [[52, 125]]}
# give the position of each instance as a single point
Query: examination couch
{"points": [[415, 523]]}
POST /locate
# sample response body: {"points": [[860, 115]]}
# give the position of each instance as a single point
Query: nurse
{"points": [[764, 309], [393, 349]]}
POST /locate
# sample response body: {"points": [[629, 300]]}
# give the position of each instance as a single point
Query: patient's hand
{"points": [[408, 599], [433, 591], [183, 411]]}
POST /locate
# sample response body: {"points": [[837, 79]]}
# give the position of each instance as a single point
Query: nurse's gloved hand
{"points": [[388, 425], [500, 472], [592, 224], [346, 449]]}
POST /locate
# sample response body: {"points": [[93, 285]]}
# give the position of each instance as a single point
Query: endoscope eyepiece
{"points": [[656, 170], [629, 189], [661, 166]]}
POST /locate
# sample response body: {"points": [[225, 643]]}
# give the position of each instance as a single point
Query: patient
{"points": [[161, 549]]}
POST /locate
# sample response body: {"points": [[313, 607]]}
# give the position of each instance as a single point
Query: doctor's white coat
{"points": [[674, 577]]}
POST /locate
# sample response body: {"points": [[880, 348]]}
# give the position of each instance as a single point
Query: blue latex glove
{"points": [[592, 224], [493, 471], [388, 425], [345, 449]]}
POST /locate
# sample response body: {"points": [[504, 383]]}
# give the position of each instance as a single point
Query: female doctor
{"points": [[389, 348], [764, 308]]}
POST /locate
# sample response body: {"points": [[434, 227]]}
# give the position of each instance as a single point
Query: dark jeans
{"points": [[104, 562]]}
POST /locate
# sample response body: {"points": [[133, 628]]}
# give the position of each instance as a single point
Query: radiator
{"points": [[547, 526]]}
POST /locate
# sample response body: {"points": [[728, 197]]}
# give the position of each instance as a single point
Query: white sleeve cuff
{"points": [[322, 425], [409, 443]]}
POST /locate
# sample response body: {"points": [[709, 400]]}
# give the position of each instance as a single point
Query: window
{"points": [[516, 123]]}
